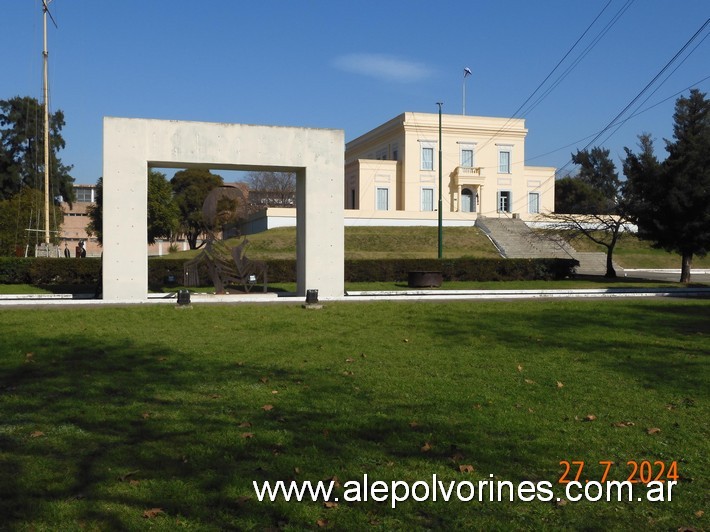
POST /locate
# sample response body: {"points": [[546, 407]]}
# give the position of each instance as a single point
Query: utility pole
{"points": [[45, 55], [441, 232]]}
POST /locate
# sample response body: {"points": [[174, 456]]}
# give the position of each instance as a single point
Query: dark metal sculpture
{"points": [[225, 264]]}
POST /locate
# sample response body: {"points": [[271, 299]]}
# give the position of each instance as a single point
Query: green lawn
{"points": [[109, 414], [631, 252]]}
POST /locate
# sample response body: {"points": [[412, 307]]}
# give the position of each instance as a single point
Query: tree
{"points": [[670, 201], [163, 213], [22, 149], [21, 212], [573, 195], [96, 213], [593, 205], [191, 187], [271, 189]]}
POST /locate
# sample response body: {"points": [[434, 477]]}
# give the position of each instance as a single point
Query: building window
{"points": [[533, 202], [427, 199], [382, 199], [504, 161], [427, 158], [504, 201], [466, 155], [83, 195]]}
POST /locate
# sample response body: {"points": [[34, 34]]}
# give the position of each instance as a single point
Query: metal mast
{"points": [[440, 253], [45, 87]]}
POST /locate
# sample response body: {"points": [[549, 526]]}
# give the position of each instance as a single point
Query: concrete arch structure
{"points": [[132, 146]]}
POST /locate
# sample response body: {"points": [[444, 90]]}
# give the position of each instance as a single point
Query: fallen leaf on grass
{"points": [[653, 430], [322, 523], [335, 480], [264, 380], [330, 504], [242, 500], [457, 457], [561, 502], [413, 425], [528, 381], [348, 373], [559, 384], [267, 407], [215, 396], [134, 482], [125, 476], [145, 415], [426, 447], [520, 368], [406, 340], [623, 424], [36, 434], [349, 360], [699, 513], [244, 425], [466, 468], [590, 417], [247, 435], [153, 512]]}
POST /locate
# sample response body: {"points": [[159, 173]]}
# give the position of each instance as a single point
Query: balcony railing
{"points": [[469, 175]]}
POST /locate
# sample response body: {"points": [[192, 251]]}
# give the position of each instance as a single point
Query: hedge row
{"points": [[43, 271]]}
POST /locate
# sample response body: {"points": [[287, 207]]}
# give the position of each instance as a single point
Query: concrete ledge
{"points": [[529, 294], [392, 295]]}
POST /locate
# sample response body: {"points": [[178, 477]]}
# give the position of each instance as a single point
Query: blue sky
{"points": [[355, 65]]}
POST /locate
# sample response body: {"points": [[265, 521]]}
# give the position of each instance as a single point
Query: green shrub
{"points": [[43, 271]]}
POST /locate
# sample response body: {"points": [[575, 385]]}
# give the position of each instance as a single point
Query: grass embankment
{"points": [[157, 417], [375, 243], [422, 242], [631, 252]]}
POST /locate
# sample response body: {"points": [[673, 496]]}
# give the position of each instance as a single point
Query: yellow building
{"points": [[392, 172]]}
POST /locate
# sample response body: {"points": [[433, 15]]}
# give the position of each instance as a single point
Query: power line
{"points": [[637, 113], [569, 69], [648, 85], [584, 54], [561, 60]]}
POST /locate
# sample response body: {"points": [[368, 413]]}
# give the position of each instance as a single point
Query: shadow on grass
{"points": [[98, 431], [661, 344]]}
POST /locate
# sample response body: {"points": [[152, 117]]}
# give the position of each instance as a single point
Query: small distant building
{"points": [[392, 172], [76, 218]]}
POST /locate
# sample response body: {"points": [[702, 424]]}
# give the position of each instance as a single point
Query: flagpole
{"points": [[464, 95], [466, 73]]}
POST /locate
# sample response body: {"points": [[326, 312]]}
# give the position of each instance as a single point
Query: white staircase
{"points": [[515, 240]]}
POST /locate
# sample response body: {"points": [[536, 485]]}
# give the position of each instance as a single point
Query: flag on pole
{"points": [[467, 72]]}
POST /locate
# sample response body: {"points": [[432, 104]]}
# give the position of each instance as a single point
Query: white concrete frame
{"points": [[132, 146]]}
